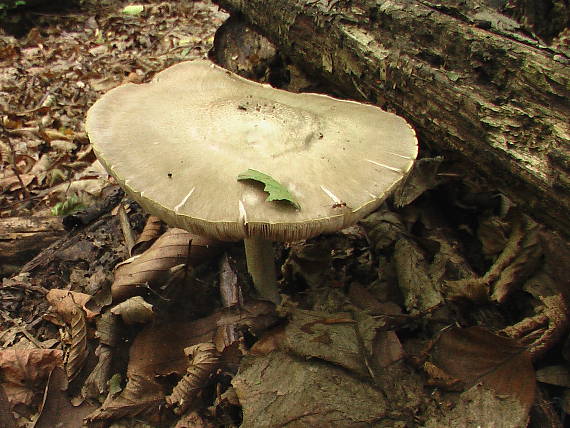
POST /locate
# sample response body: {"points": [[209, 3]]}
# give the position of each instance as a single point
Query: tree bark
{"points": [[475, 86]]}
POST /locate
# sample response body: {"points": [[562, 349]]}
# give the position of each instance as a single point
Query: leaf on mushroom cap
{"points": [[178, 143]]}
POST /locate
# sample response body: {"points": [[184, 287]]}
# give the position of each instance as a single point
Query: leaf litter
{"points": [[364, 336]]}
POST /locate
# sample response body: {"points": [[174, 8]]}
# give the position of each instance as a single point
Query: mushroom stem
{"points": [[261, 266]]}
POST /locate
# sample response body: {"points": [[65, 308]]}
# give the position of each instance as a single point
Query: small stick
{"points": [[187, 267], [14, 166]]}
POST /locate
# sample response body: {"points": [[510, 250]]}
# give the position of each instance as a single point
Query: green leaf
{"points": [[133, 9], [70, 205], [277, 192]]}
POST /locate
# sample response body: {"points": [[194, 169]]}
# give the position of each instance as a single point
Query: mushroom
{"points": [[178, 144]]}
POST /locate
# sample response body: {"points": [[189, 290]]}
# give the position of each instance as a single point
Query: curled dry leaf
{"points": [[152, 268], [543, 330], [134, 311], [77, 352], [518, 260], [204, 358], [64, 301], [152, 230]]}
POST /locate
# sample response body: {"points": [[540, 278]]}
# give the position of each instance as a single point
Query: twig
{"points": [[187, 267], [13, 162]]}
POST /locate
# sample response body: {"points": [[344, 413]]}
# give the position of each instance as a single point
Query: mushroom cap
{"points": [[178, 143]]}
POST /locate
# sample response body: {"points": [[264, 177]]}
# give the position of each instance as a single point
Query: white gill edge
{"points": [[183, 201], [242, 213], [400, 156], [331, 195], [391, 168]]}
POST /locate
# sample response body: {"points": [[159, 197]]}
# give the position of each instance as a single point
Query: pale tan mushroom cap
{"points": [[178, 143]]}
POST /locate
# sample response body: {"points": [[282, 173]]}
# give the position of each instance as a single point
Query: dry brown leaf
{"points": [[134, 311], [152, 268], [11, 183], [475, 355], [64, 302], [158, 351], [152, 230], [24, 370], [204, 358], [77, 352]]}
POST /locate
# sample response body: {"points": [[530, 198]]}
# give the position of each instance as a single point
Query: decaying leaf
{"points": [[96, 383], [352, 341], [421, 292], [203, 360], [152, 268], [480, 406], [24, 370], [279, 390], [477, 356], [230, 289], [134, 311], [277, 192]]}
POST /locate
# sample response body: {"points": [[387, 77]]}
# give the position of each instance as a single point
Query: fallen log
{"points": [[474, 84]]}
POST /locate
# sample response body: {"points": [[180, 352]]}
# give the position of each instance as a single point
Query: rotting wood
{"points": [[21, 238], [475, 86]]}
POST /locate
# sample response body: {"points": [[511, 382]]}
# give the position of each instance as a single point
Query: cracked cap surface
{"points": [[178, 143]]}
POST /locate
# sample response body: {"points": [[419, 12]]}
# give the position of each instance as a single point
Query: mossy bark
{"points": [[472, 82]]}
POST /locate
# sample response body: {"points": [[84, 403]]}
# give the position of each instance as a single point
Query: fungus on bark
{"points": [[178, 144]]}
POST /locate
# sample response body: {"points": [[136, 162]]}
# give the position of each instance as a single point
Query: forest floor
{"points": [[443, 308]]}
